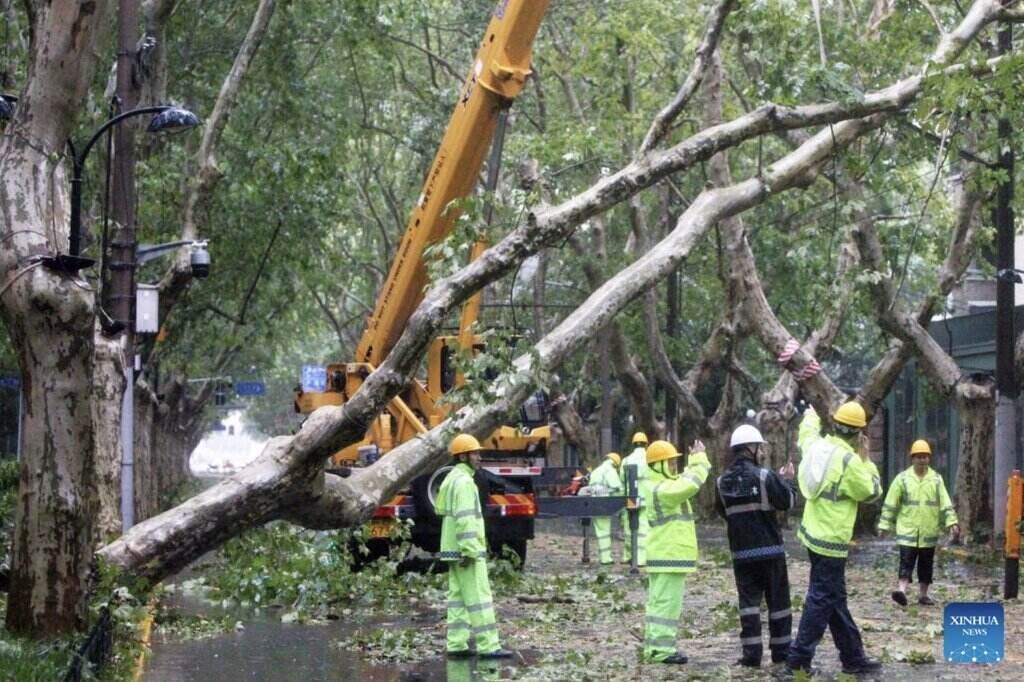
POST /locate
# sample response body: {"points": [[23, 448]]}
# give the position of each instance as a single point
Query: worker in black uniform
{"points": [[747, 497]]}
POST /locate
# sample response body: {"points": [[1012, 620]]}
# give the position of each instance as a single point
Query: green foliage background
{"points": [[342, 111]]}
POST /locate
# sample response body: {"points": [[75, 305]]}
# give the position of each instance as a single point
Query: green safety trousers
{"points": [[471, 608], [603, 531], [641, 539], [664, 606]]}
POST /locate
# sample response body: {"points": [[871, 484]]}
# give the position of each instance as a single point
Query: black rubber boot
{"points": [[899, 597], [793, 668], [678, 658], [497, 653], [863, 667]]}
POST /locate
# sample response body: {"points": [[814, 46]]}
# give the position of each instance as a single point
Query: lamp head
{"points": [[172, 120], [6, 108], [1008, 275], [200, 260]]}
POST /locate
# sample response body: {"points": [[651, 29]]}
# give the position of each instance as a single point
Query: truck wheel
{"points": [[518, 545], [424, 492], [377, 548]]}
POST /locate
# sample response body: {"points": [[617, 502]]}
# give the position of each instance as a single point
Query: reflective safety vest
{"points": [[606, 476], [672, 538], [920, 507], [462, 521], [639, 458], [831, 510]]}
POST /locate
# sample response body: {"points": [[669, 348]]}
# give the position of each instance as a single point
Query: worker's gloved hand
{"points": [[954, 532], [698, 446], [788, 471], [465, 561]]}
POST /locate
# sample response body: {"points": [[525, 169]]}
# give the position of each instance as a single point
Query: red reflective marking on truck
{"points": [[516, 471], [395, 508], [513, 504]]}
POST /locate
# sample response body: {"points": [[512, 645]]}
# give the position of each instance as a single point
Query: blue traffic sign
{"points": [[10, 381], [250, 388], [314, 378]]}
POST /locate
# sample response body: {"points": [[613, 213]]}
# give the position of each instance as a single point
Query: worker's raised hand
{"points": [[788, 471], [698, 446]]}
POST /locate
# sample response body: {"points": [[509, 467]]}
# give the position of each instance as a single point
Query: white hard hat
{"points": [[745, 434]]}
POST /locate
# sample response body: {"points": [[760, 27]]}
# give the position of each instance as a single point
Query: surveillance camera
{"points": [[200, 260]]}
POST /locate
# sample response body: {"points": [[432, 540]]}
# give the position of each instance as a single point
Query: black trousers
{"points": [[825, 607], [769, 579], [924, 557]]}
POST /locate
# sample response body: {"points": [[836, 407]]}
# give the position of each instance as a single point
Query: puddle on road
{"points": [[270, 650]]}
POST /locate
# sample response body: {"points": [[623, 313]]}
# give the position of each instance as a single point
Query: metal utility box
{"points": [[147, 309]]}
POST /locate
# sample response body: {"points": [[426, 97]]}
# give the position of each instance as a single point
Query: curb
{"points": [[145, 633]]}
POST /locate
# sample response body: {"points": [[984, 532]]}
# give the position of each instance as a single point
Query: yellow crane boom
{"points": [[495, 79], [497, 76]]}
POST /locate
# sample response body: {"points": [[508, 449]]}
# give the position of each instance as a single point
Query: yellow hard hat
{"points": [[639, 438], [615, 457], [920, 447], [462, 444], [851, 414], [660, 450]]}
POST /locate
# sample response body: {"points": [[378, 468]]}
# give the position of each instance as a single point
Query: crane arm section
{"points": [[497, 76]]}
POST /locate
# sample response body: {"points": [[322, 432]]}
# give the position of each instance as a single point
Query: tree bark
{"points": [[49, 317], [55, 507], [108, 383], [574, 430], [974, 469]]}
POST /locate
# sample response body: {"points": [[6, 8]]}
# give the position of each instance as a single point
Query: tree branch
{"points": [[201, 185], [259, 272], [662, 123]]}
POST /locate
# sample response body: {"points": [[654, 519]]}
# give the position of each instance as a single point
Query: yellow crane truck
{"points": [[514, 455]]}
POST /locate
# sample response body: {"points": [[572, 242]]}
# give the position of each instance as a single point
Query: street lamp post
{"points": [[200, 264], [166, 118]]}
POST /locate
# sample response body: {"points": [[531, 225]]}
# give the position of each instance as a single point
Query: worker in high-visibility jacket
{"points": [[919, 505], [637, 458], [464, 549], [833, 477], [606, 478], [671, 544]]}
